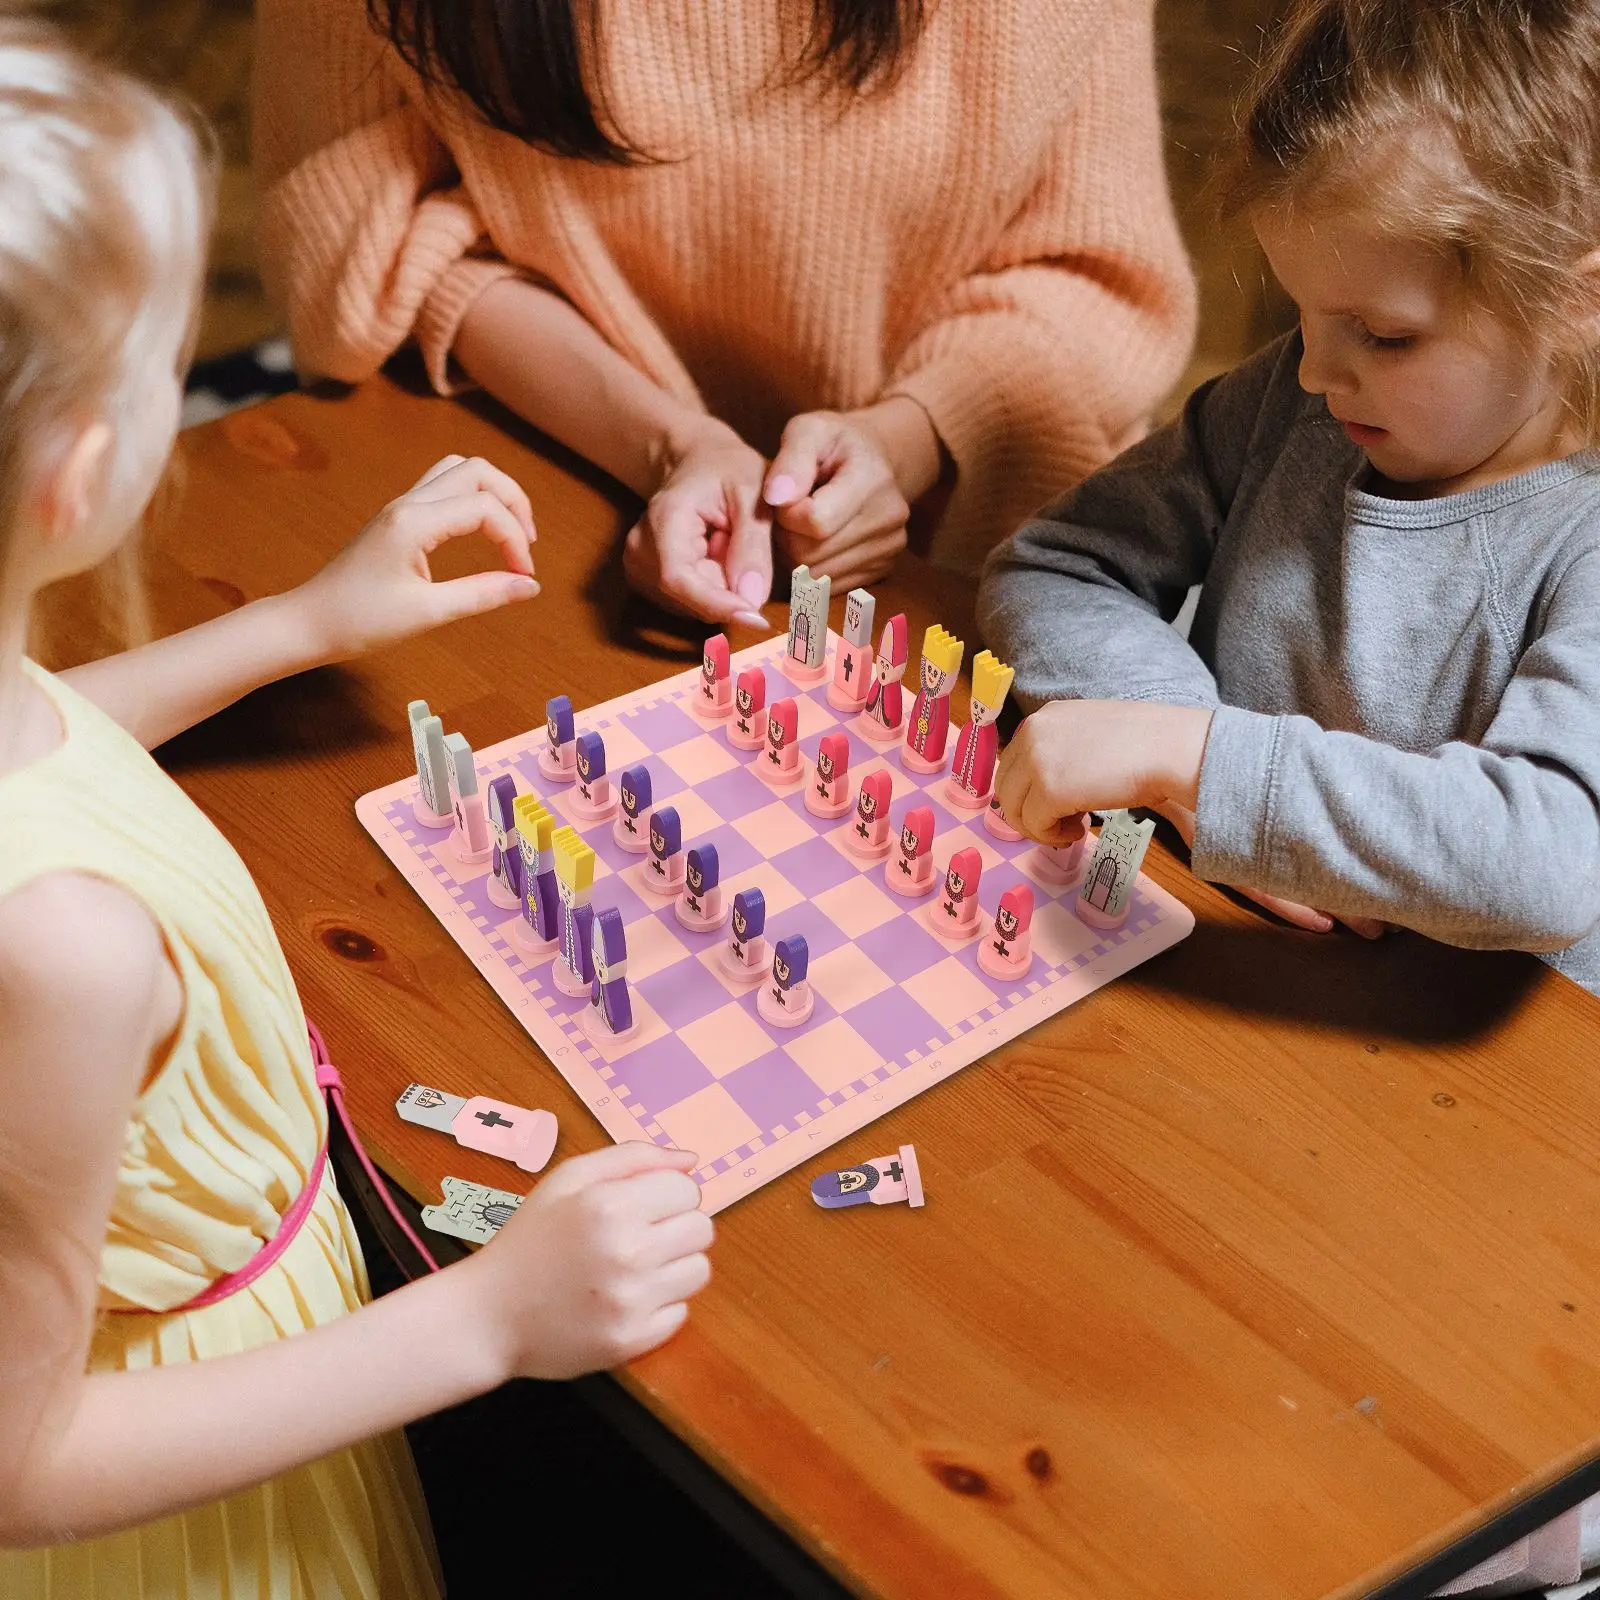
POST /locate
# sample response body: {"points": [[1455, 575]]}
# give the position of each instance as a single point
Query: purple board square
{"points": [[735, 853], [735, 794], [662, 1073], [613, 891], [772, 1090], [903, 947], [661, 727], [684, 991], [893, 1023], [812, 867]]}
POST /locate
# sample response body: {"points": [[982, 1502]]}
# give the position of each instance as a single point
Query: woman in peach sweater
{"points": [[778, 267]]}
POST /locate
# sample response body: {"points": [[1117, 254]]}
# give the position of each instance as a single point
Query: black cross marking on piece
{"points": [[705, 687], [694, 905], [861, 828], [738, 949], [822, 789], [777, 994], [1002, 947], [895, 1172], [849, 667], [905, 865], [493, 1119], [630, 824], [950, 908], [656, 867], [744, 727], [774, 757]]}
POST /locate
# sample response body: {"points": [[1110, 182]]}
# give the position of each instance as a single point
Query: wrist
{"points": [[1180, 734], [312, 634], [679, 436], [909, 441]]}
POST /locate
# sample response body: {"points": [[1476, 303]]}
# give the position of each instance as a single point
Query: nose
{"points": [[1321, 369]]}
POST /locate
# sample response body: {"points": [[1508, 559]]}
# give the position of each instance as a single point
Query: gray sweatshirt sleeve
{"points": [[1080, 599], [1491, 846]]}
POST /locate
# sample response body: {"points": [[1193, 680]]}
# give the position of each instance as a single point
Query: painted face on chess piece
{"points": [[551, 731], [908, 841], [740, 926], [695, 877], [630, 801], [598, 955], [780, 971], [866, 805], [658, 840], [824, 765], [853, 1178], [583, 765], [529, 854], [708, 669], [745, 701], [983, 715], [775, 734], [1005, 924], [954, 884], [497, 828]]}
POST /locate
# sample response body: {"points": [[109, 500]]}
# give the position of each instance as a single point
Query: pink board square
{"points": [[708, 1123], [700, 758], [845, 977], [857, 906], [949, 992], [774, 829], [726, 1039], [833, 1055]]}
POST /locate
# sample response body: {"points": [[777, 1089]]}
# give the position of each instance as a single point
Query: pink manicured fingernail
{"points": [[781, 490], [752, 619], [754, 588]]}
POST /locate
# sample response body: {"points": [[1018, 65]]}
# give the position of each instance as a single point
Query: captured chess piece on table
{"points": [[513, 1133], [883, 716], [505, 865], [609, 1014], [699, 904], [954, 913], [745, 957], [539, 927], [748, 729], [1007, 949], [1108, 881], [828, 789], [779, 764], [593, 798], [471, 839], [867, 833], [852, 664], [558, 756], [881, 1182], [804, 659], [713, 697], [470, 1211], [433, 807], [909, 869], [573, 973], [785, 1000], [631, 830], [663, 870], [971, 780]]}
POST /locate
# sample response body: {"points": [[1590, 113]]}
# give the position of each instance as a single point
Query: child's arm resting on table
{"points": [[376, 590], [594, 1269]]}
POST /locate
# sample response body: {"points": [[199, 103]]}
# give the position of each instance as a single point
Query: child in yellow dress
{"points": [[172, 1421]]}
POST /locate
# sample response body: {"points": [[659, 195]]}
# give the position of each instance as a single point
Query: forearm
{"points": [[202, 1430], [538, 355]]}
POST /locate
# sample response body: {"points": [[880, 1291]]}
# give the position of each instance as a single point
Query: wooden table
{"points": [[1268, 1271]]}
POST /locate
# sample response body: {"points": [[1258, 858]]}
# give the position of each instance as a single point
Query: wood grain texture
{"points": [[1259, 1274]]}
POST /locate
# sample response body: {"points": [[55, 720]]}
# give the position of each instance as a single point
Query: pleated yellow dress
{"points": [[219, 1144]]}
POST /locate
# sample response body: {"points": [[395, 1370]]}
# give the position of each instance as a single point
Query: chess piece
{"points": [[713, 696], [514, 1133], [881, 1182], [505, 864], [867, 832], [1007, 950], [573, 973], [808, 628], [997, 823], [558, 759], [883, 716], [909, 869], [699, 904], [1107, 890], [631, 830], [828, 790], [954, 914], [432, 808], [786, 1001], [610, 1012], [928, 726], [745, 957], [779, 764], [748, 729], [852, 661], [537, 930], [663, 870], [471, 840], [593, 798], [971, 780], [1061, 866]]}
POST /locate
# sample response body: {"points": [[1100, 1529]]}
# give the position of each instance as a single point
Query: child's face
{"points": [[1438, 398]]}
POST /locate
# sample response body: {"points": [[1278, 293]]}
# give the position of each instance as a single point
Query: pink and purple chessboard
{"points": [[897, 1009]]}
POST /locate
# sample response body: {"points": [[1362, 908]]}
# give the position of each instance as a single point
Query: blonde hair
{"points": [[104, 214], [1468, 126]]}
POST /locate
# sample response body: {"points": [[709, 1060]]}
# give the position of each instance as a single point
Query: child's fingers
{"points": [[479, 592], [654, 1196], [1065, 830], [1367, 927], [469, 474], [686, 1233], [677, 1280], [616, 1162], [653, 1330], [427, 524], [1292, 912]]}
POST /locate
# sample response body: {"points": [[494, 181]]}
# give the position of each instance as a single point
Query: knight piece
{"points": [[971, 780], [558, 759], [881, 1182], [1107, 890], [610, 1011], [852, 661], [779, 764], [699, 904], [803, 659], [539, 926], [928, 726], [786, 1001], [909, 869], [1007, 950], [631, 830], [867, 833], [828, 791], [745, 956], [713, 695], [432, 808], [471, 840], [748, 729], [954, 913], [593, 799], [505, 865], [1061, 865], [883, 716], [574, 968], [997, 823], [663, 871]]}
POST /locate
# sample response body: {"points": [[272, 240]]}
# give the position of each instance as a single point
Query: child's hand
{"points": [[1073, 756], [379, 589], [597, 1265]]}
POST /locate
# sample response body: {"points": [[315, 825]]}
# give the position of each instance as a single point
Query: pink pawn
{"points": [[1063, 865], [1007, 950], [909, 870], [779, 763], [954, 915], [748, 730], [828, 792], [867, 832], [713, 697]]}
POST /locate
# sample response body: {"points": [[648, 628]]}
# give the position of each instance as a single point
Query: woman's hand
{"points": [[842, 483], [379, 589], [704, 543]]}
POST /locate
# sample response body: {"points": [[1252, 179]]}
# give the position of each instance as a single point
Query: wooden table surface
{"points": [[1264, 1272]]}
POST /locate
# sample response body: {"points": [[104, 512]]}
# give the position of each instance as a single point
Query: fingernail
{"points": [[751, 619], [754, 588], [524, 588], [781, 490]]}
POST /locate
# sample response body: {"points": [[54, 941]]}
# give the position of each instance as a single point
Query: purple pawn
{"points": [[786, 1000]]}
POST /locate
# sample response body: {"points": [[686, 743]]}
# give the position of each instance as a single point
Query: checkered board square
{"points": [[897, 1010]]}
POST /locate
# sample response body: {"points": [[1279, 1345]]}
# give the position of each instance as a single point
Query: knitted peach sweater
{"points": [[991, 236]]}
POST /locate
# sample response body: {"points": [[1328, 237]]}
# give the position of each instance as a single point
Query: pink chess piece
{"points": [[1062, 865], [866, 834], [954, 914], [779, 763], [998, 824], [511, 1132], [713, 696], [883, 717], [1007, 949], [828, 790], [852, 661], [748, 728], [909, 869]]}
